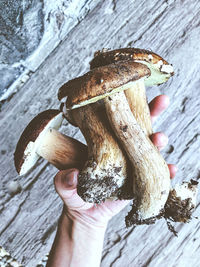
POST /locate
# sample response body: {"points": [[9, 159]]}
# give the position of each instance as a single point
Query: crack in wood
{"points": [[124, 243], [14, 216], [48, 232], [183, 104]]}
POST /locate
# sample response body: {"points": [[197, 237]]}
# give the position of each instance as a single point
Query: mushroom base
{"points": [[133, 217], [96, 191], [98, 184], [177, 208]]}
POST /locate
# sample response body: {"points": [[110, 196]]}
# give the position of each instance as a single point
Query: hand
{"points": [[89, 214], [81, 228]]}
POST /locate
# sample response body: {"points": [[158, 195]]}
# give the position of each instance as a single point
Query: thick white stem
{"points": [[151, 179], [136, 97], [106, 168], [61, 151]]}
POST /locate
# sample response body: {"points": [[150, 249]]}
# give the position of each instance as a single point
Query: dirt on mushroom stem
{"points": [[106, 168], [151, 179], [136, 97]]}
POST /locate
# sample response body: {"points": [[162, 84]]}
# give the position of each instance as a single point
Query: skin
{"points": [[81, 228]]}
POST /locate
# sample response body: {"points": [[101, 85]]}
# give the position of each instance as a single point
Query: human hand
{"points": [[92, 215]]}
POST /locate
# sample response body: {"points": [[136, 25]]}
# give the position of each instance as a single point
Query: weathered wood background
{"points": [[170, 28]]}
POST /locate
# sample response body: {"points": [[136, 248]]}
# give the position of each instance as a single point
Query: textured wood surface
{"points": [[28, 219]]}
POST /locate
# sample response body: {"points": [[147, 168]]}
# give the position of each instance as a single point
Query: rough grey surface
{"points": [[28, 219], [21, 29], [29, 31]]}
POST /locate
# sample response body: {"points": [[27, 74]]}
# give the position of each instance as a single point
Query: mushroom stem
{"points": [[41, 138], [151, 178], [106, 168], [61, 151], [136, 97]]}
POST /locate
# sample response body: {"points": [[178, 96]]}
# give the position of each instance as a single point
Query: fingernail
{"points": [[69, 178]]}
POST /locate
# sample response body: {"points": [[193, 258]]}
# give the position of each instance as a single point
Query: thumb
{"points": [[65, 185]]}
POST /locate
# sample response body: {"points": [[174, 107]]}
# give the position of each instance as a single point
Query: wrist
{"points": [[83, 221], [86, 240]]}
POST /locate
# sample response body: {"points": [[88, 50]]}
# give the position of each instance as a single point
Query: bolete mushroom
{"points": [[182, 199], [160, 69], [41, 139], [117, 133], [150, 172], [106, 169]]}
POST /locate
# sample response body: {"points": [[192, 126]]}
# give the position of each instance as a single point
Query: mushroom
{"points": [[116, 131], [150, 172], [150, 191], [160, 69], [179, 206], [41, 139], [106, 169]]}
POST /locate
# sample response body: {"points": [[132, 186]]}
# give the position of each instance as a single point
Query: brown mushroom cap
{"points": [[161, 70], [111, 56], [101, 82], [31, 134]]}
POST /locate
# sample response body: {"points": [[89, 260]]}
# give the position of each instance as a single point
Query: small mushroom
{"points": [[41, 139]]}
